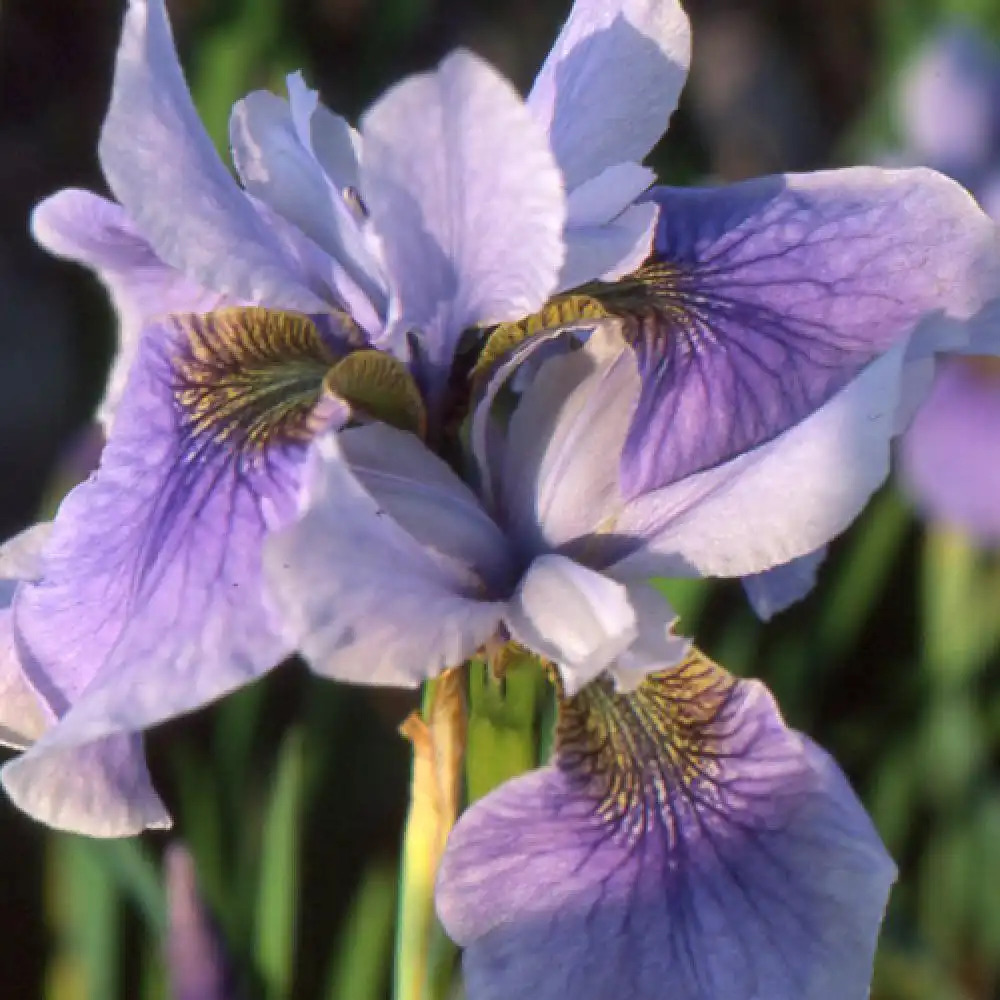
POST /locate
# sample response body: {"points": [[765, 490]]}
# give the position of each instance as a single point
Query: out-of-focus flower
{"points": [[949, 109], [248, 318], [197, 963], [682, 841]]}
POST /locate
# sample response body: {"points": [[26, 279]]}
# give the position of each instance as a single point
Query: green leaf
{"points": [[363, 955], [84, 912], [278, 885]]}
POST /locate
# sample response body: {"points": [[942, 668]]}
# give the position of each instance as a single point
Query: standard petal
{"points": [[99, 234], [558, 484], [276, 167], [682, 836], [578, 619], [331, 139], [381, 580], [948, 456], [161, 165], [777, 589], [150, 602], [467, 200], [781, 501], [771, 295], [611, 82]]}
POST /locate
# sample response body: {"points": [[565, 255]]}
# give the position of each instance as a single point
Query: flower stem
{"points": [[424, 956]]}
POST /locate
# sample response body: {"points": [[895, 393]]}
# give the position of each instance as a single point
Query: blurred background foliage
{"points": [[292, 793]]}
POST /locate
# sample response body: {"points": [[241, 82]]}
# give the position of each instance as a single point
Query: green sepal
{"points": [[381, 387]]}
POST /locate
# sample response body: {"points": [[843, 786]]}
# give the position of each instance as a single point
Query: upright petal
{"points": [[276, 167], [768, 297], [161, 165], [949, 454], [387, 576], [467, 200], [336, 146], [99, 234], [682, 836], [150, 603], [558, 482], [611, 82]]}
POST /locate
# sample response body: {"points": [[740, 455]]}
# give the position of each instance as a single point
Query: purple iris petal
{"points": [[421, 565], [684, 842], [467, 201], [105, 788], [776, 589], [161, 165], [150, 601], [276, 167], [768, 297], [949, 455], [611, 82], [99, 234], [22, 715]]}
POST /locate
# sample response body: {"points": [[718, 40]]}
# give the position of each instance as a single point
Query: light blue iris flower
{"points": [[455, 205]]}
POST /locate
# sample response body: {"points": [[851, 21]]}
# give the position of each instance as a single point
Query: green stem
{"points": [[505, 723], [416, 886]]}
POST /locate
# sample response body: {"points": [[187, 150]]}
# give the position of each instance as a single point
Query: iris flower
{"points": [[333, 283], [949, 109], [723, 410]]}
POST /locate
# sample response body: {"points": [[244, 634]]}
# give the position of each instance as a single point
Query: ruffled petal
{"points": [[150, 603], [276, 167], [778, 502], [336, 146], [607, 89], [467, 200], [99, 234], [949, 455], [682, 836], [101, 789], [385, 578], [161, 165], [770, 296]]}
